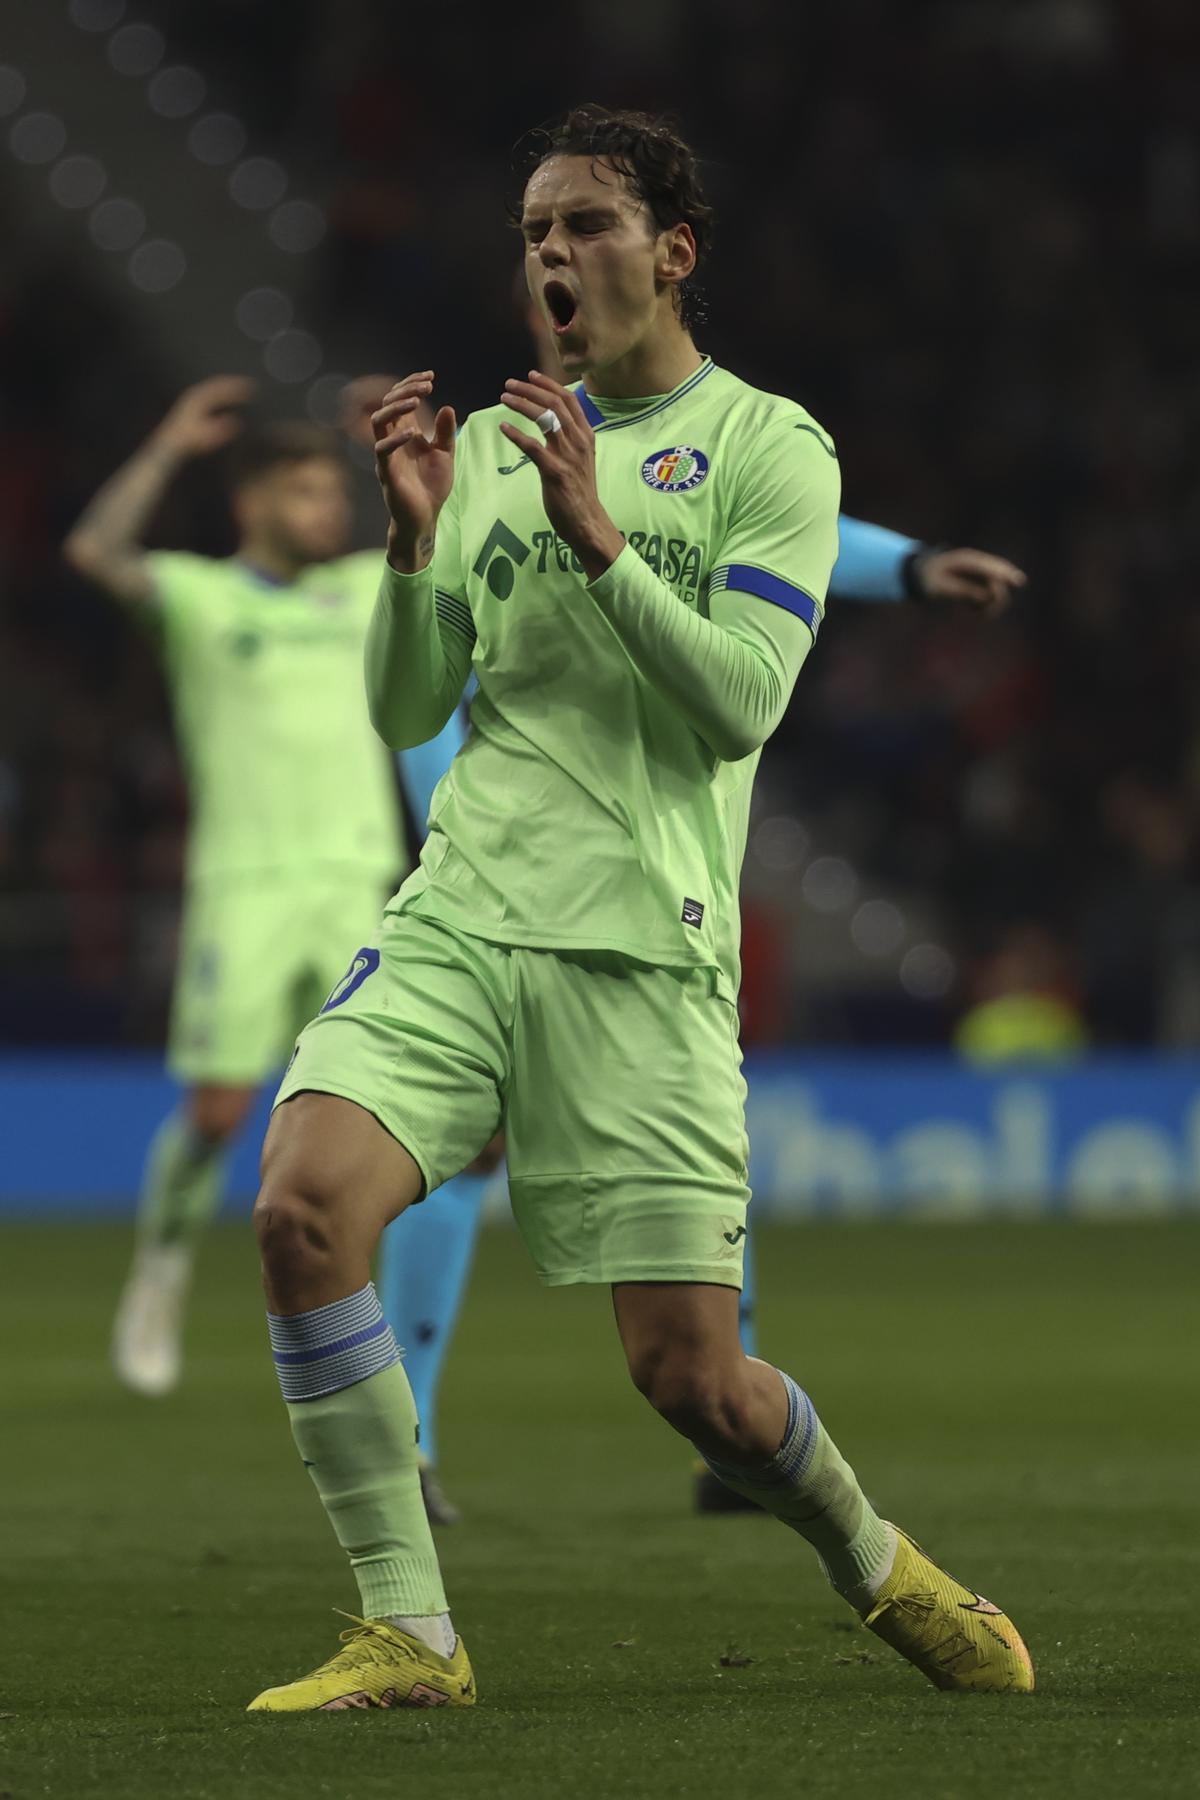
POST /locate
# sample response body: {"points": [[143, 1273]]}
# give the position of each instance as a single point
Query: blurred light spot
{"points": [[78, 181], [12, 89], [116, 224], [781, 843], [157, 265], [257, 183], [323, 400], [292, 356], [176, 92], [217, 138], [37, 138], [97, 15], [297, 226], [829, 885], [927, 972], [263, 312], [877, 928], [135, 49]]}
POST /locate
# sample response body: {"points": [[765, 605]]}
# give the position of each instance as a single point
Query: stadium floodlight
{"points": [[292, 356], [175, 92], [878, 928], [116, 224], [217, 138], [157, 266], [258, 183], [297, 226], [37, 137], [136, 49], [78, 181], [927, 972], [263, 312], [780, 843], [829, 884], [323, 400], [12, 90]]}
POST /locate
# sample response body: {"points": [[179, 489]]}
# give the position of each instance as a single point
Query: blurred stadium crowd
{"points": [[966, 235]]}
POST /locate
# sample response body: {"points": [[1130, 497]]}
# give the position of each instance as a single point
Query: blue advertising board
{"points": [[848, 1137]]}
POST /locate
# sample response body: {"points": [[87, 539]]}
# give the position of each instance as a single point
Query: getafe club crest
{"points": [[675, 471]]}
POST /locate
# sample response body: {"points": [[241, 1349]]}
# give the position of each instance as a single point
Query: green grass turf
{"points": [[1024, 1398]]}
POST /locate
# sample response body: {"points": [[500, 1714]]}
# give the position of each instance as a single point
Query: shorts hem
{"points": [[341, 1090], [706, 1274], [209, 1075]]}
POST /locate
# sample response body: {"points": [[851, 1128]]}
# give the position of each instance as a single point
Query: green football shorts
{"points": [[257, 956], [619, 1086]]}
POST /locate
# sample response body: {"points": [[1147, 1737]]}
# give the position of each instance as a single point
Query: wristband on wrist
{"points": [[912, 572]]}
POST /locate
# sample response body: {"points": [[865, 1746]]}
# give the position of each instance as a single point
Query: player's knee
{"points": [[688, 1391], [293, 1222]]}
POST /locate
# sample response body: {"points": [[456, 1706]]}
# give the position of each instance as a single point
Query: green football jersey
{"points": [[284, 770], [585, 811]]}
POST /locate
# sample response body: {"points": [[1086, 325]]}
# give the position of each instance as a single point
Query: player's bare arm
{"points": [[415, 472], [106, 541], [566, 461]]}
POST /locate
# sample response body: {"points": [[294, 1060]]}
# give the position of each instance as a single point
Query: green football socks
{"points": [[809, 1486], [183, 1183], [355, 1425]]}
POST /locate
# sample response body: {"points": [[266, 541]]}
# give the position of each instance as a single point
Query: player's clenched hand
{"points": [[416, 473], [971, 577], [565, 458], [203, 418]]}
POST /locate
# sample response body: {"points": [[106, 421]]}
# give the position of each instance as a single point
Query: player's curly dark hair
{"points": [[267, 447], [655, 160]]}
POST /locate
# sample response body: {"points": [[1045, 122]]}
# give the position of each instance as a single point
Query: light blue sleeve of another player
{"points": [[423, 767], [870, 564]]}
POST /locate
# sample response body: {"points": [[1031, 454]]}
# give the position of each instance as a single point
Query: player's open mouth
{"points": [[561, 304]]}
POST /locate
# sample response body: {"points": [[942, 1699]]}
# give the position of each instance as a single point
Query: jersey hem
{"points": [[542, 940]]}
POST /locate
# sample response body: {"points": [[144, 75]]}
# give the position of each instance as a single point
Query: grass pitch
{"points": [[1024, 1399]]}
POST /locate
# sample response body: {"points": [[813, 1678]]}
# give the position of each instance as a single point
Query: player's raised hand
{"points": [[972, 578], [415, 472], [565, 458], [205, 416], [357, 401]]}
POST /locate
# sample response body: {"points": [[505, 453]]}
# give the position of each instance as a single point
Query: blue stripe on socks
{"points": [[332, 1347], [790, 1463]]}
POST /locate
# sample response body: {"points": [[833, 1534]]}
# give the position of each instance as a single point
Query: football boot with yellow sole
{"points": [[379, 1666], [958, 1640]]}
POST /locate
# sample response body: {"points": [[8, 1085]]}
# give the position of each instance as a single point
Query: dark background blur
{"points": [[966, 235]]}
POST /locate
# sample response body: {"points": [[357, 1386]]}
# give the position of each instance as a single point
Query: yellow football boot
{"points": [[379, 1666], [953, 1635]]}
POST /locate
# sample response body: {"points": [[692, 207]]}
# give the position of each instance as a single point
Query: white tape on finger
{"points": [[549, 422]]}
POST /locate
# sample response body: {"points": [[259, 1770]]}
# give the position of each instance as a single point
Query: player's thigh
{"points": [[239, 960], [334, 1155], [416, 1032], [626, 1124]]}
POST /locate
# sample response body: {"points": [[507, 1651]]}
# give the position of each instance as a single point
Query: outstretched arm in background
{"points": [[105, 543], [876, 564]]}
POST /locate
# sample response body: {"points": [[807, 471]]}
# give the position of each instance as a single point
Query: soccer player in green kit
{"points": [[636, 588], [294, 832]]}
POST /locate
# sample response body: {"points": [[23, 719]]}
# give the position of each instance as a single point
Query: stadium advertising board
{"points": [[853, 1137]]}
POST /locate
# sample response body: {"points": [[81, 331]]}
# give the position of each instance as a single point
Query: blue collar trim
{"points": [[598, 422]]}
